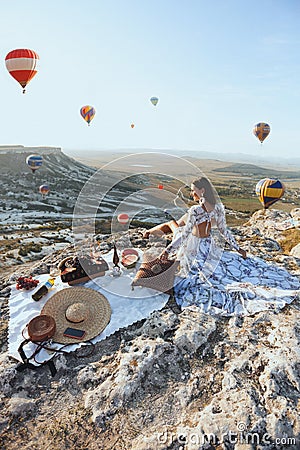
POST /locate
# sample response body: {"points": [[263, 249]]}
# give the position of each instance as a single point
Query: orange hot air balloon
{"points": [[261, 130], [160, 186], [123, 218], [44, 189], [132, 125], [22, 65]]}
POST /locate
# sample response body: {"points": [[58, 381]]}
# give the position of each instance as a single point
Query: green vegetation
{"points": [[256, 171]]}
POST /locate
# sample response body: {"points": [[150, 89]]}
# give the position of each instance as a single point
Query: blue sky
{"points": [[217, 67]]}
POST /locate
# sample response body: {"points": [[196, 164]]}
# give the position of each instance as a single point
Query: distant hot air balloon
{"points": [[160, 186], [261, 131], [269, 191], [123, 218], [34, 162], [88, 113], [132, 125], [22, 65], [44, 189], [154, 100]]}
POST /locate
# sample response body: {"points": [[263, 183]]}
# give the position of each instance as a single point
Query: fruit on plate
{"points": [[129, 251], [129, 261]]}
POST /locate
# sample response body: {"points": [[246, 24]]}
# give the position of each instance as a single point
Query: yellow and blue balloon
{"points": [[154, 101], [269, 191]]}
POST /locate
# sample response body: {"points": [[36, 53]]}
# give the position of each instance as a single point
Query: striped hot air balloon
{"points": [[88, 113], [269, 191], [34, 162], [22, 65], [261, 131]]}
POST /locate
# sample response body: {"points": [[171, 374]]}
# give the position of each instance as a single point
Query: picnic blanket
{"points": [[128, 306]]}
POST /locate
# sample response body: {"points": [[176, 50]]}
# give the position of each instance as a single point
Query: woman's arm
{"points": [[190, 218], [222, 227], [183, 219]]}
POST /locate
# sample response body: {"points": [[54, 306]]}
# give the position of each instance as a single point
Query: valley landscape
{"points": [[33, 226]]}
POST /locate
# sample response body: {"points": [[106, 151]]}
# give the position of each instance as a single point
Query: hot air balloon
{"points": [[269, 191], [132, 125], [34, 162], [160, 186], [154, 100], [22, 65], [88, 113], [44, 189], [261, 131], [123, 218]]}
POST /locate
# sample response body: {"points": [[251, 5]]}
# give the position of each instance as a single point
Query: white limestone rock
{"points": [[20, 405], [194, 330], [295, 251]]}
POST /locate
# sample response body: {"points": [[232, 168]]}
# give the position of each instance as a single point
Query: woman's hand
{"points": [[242, 253], [164, 256]]}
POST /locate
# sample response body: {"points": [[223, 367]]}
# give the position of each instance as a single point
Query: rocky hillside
{"points": [[176, 380], [20, 200], [22, 203]]}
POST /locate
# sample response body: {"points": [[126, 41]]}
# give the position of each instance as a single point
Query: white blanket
{"points": [[128, 306]]}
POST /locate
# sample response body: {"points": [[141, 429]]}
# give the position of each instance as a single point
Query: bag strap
{"points": [[43, 345], [22, 366], [27, 365]]}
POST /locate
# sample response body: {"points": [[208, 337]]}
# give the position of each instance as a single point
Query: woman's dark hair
{"points": [[209, 192]]}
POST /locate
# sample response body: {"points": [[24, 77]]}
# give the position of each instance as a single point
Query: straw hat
{"points": [[80, 308]]}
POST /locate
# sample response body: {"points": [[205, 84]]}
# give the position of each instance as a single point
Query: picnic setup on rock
{"points": [[127, 284], [90, 298]]}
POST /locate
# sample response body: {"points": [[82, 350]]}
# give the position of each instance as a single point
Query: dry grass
{"points": [[290, 239]]}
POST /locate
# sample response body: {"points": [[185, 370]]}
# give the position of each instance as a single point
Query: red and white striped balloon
{"points": [[22, 65]]}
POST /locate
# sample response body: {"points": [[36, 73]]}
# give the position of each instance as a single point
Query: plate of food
{"points": [[129, 257]]}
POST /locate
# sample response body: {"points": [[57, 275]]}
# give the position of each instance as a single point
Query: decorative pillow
{"points": [[156, 274]]}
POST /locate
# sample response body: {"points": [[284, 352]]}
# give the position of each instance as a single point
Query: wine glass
{"points": [[54, 271]]}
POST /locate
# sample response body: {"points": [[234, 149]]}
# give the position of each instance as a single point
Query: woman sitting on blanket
{"points": [[220, 281]]}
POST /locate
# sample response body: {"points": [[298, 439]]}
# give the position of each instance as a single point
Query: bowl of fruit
{"points": [[26, 283], [129, 258]]}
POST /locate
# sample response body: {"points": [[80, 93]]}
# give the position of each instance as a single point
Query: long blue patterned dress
{"points": [[222, 282]]}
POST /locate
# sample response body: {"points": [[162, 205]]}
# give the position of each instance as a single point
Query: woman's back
{"points": [[202, 229]]}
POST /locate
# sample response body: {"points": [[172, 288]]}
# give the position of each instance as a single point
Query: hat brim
{"points": [[98, 317]]}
